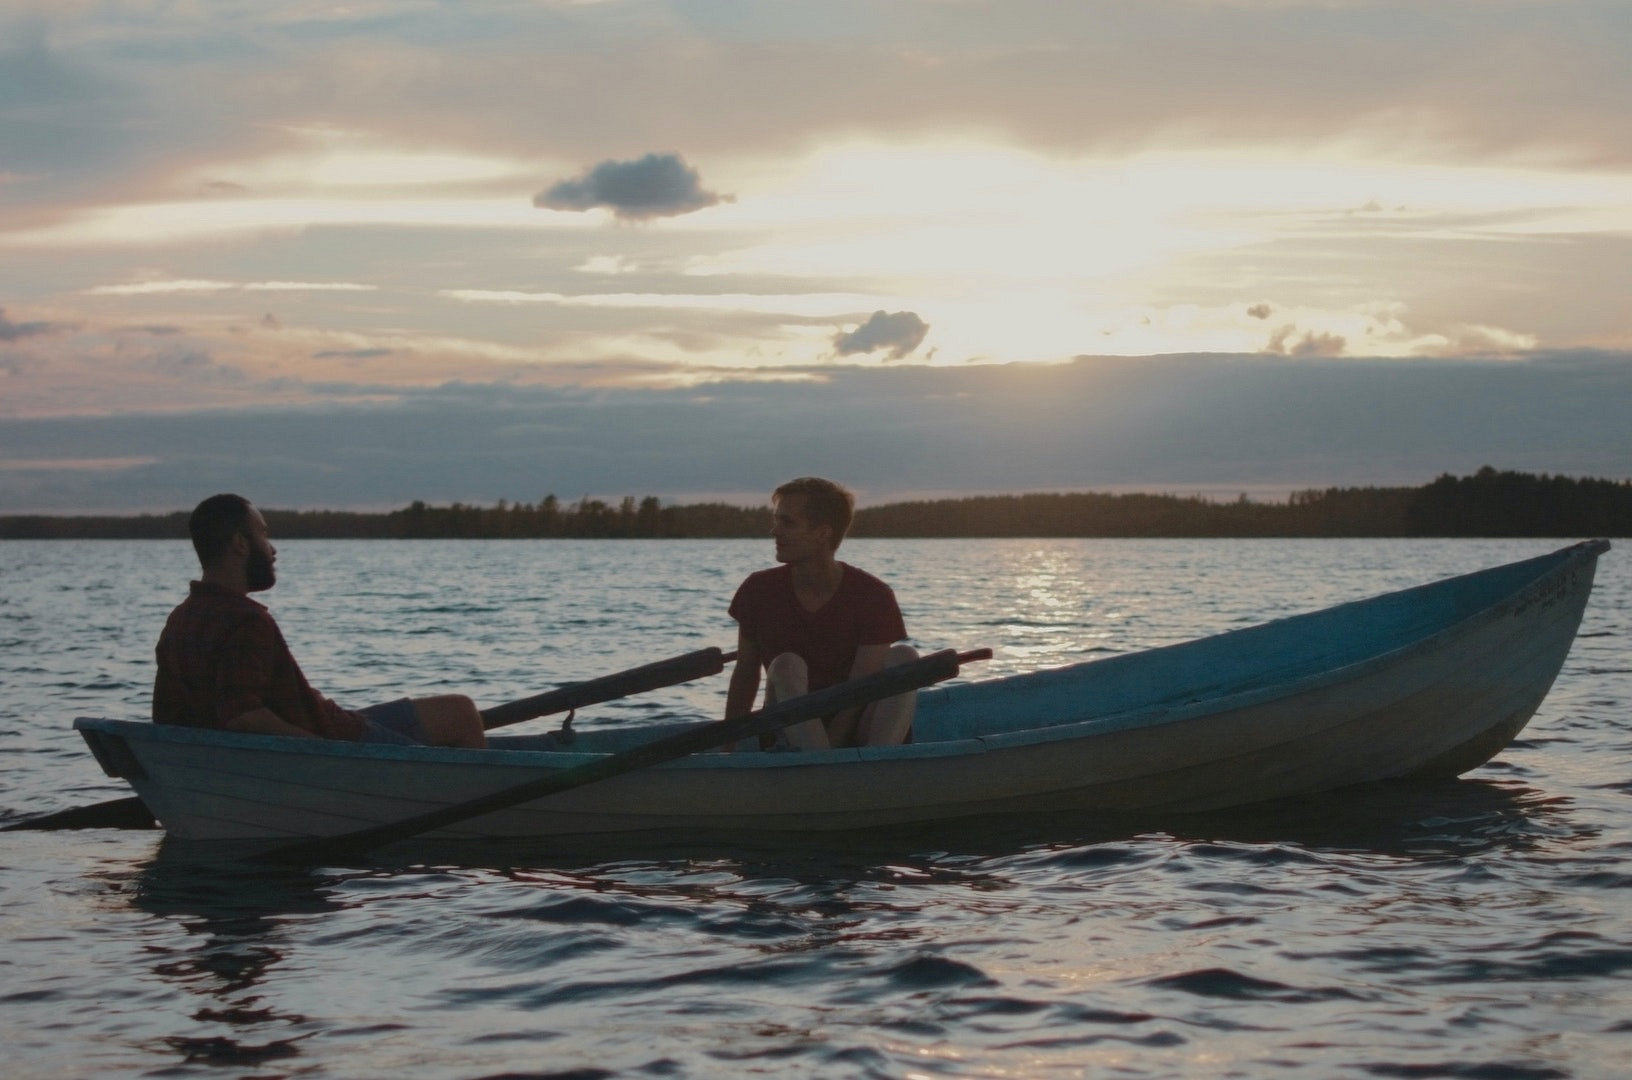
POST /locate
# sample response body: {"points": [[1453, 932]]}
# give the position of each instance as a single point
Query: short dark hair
{"points": [[214, 523], [827, 503]]}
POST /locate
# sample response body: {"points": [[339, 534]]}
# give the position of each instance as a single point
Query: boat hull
{"points": [[1425, 683]]}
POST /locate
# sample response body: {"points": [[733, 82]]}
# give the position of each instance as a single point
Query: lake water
{"points": [[1478, 929]]}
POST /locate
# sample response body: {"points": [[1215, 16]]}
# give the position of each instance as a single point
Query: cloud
{"points": [[72, 464], [134, 97], [607, 264], [143, 288], [1044, 129], [1168, 423], [52, 111], [196, 285], [308, 286], [898, 331], [15, 331], [351, 354], [193, 364], [657, 185], [1310, 344], [1476, 340]]}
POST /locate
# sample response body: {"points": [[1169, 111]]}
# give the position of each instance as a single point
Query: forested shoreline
{"points": [[1486, 504]]}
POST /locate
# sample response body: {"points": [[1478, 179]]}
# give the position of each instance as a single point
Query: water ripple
{"points": [[1472, 929]]}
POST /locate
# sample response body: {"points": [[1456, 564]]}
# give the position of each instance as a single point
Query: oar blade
{"points": [[130, 813]]}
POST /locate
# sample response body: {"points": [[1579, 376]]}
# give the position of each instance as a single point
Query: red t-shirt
{"points": [[862, 611], [221, 655]]}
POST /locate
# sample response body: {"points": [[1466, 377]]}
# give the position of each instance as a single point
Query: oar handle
{"points": [[934, 668], [676, 669]]}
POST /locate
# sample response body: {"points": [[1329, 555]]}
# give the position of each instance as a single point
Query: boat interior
{"points": [[1136, 684]]}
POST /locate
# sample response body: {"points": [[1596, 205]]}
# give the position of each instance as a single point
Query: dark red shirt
{"points": [[862, 611], [222, 655]]}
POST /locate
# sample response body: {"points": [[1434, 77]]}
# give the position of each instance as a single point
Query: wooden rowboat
{"points": [[1427, 682]]}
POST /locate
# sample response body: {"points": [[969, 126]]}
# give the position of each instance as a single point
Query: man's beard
{"points": [[258, 572]]}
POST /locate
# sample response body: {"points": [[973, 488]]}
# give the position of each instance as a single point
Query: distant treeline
{"points": [[548, 519], [1489, 503]]}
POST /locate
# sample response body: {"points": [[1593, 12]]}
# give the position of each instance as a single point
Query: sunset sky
{"points": [[355, 254]]}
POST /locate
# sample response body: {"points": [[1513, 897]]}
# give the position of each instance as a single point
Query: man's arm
{"points": [[247, 666], [264, 721], [744, 687], [841, 730], [242, 669]]}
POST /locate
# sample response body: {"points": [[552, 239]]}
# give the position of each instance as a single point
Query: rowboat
{"points": [[1427, 682]]}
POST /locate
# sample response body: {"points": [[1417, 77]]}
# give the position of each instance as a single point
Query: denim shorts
{"points": [[393, 723]]}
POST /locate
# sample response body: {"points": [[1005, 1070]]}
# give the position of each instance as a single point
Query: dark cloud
{"points": [[1260, 311], [351, 354], [898, 331], [15, 331], [1166, 423], [657, 185], [196, 365], [1310, 344]]}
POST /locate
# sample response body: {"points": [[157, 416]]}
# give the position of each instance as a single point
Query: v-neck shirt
{"points": [[861, 611]]}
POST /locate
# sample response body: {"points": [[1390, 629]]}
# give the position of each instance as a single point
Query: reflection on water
{"points": [[1404, 819], [234, 918]]}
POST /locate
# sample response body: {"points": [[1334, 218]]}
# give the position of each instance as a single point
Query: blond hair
{"points": [[826, 503]]}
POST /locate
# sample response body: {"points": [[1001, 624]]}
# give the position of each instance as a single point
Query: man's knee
{"points": [[786, 676], [788, 666], [449, 706], [451, 720], [900, 653]]}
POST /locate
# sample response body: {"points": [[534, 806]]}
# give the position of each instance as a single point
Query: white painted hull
{"points": [[1431, 681]]}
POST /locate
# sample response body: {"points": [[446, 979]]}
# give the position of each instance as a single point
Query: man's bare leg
{"points": [[788, 677], [450, 720], [888, 722]]}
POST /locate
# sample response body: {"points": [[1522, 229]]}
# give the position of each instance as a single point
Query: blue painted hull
{"points": [[1426, 682]]}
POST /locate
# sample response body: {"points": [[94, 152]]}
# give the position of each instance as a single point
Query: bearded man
{"points": [[223, 662]]}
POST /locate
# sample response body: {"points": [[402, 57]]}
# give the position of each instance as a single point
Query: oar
{"points": [[132, 813], [676, 669], [127, 813], [891, 681]]}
